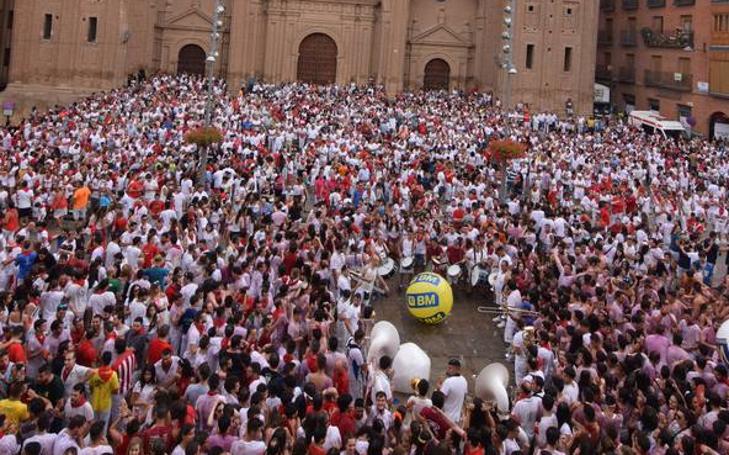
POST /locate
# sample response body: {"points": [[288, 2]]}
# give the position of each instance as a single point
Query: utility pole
{"points": [[213, 54]]}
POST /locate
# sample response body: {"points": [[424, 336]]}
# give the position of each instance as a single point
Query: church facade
{"points": [[65, 48]]}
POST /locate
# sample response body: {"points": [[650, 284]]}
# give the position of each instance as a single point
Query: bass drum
{"points": [[387, 268], [479, 276], [454, 272], [406, 264]]}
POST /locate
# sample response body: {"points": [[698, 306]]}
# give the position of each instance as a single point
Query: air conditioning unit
{"points": [[678, 77]]}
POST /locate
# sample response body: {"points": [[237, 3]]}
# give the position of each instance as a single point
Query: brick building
{"points": [[670, 56], [64, 48]]}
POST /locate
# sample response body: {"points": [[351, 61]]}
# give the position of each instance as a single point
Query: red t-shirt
{"points": [[86, 354], [156, 347], [345, 423], [163, 432], [16, 353], [149, 250]]}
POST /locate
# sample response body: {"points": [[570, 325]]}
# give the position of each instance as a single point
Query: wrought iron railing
{"points": [[672, 81], [626, 74], [603, 73], [605, 37], [679, 39]]}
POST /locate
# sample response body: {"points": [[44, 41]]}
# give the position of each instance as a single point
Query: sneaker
{"points": [[501, 324]]}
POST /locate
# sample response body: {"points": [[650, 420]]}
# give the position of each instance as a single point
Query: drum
{"points": [[454, 271], [386, 268], [479, 276], [406, 264]]}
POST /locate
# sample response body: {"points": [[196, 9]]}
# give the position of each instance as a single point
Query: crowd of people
{"points": [[147, 311]]}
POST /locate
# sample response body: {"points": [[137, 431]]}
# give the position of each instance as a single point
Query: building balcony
{"points": [[679, 39], [671, 81], [684, 2], [607, 5], [626, 74], [603, 73], [604, 38], [630, 5], [629, 38], [656, 3]]}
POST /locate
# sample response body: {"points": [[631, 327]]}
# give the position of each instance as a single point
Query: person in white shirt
{"points": [[381, 379], [252, 443], [455, 389]]}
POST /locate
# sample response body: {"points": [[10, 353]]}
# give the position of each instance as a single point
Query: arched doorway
{"points": [[191, 60], [437, 75], [317, 60], [719, 125]]}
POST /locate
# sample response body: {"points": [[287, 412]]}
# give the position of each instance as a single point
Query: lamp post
{"points": [[210, 75], [508, 50]]}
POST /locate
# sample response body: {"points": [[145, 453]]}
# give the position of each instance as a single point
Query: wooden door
{"points": [[191, 60], [317, 60], [437, 75]]}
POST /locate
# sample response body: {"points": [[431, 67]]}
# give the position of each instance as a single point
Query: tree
{"points": [[203, 137], [501, 152]]}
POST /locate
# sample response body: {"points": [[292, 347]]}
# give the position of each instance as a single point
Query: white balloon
{"points": [[410, 362], [499, 371], [384, 340], [722, 341], [491, 385]]}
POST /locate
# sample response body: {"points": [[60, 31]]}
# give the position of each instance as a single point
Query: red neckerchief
{"points": [[40, 337], [66, 372], [82, 401]]}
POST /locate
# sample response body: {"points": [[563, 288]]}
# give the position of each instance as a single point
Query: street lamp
{"points": [[508, 60], [210, 74]]}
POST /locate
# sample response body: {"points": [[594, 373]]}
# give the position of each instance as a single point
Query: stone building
{"points": [[64, 48], [671, 56]]}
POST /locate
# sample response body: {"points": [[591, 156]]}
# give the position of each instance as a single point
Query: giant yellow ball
{"points": [[429, 298]]}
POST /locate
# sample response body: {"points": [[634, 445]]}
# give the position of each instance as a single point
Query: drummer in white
{"points": [[407, 258]]}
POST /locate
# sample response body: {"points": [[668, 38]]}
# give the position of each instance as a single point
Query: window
{"points": [[684, 112], [721, 22], [568, 11], [630, 61], [6, 57], [530, 8], [91, 36], [687, 23], [11, 19], [530, 56], [568, 59], [632, 24], [654, 104], [719, 76], [656, 63], [657, 24], [684, 65], [48, 26]]}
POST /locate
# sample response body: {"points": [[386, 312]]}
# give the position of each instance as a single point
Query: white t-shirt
{"points": [[247, 448], [25, 199], [454, 388]]}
